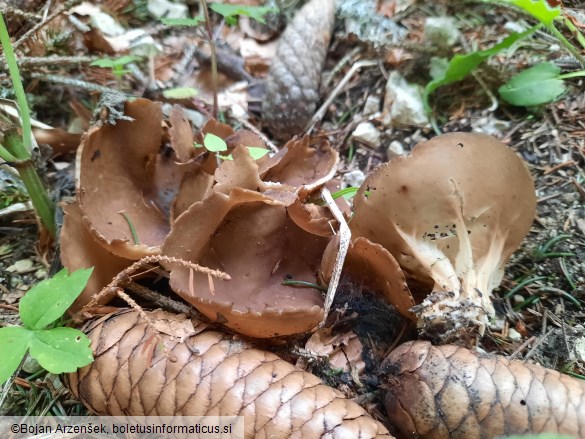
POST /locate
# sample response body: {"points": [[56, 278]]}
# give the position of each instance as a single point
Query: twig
{"points": [[54, 60], [163, 301], [123, 278], [213, 57], [75, 83], [344, 240], [487, 91], [323, 109], [522, 347], [537, 344], [147, 319]]}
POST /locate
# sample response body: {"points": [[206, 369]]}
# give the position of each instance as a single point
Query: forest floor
{"points": [[540, 301]]}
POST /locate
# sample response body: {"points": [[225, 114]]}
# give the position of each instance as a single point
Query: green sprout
{"points": [[57, 349], [116, 65]]}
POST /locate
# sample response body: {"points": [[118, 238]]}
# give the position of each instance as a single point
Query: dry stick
{"points": [[163, 301], [75, 83], [323, 109], [54, 60], [214, 76], [521, 348], [344, 240], [147, 319]]}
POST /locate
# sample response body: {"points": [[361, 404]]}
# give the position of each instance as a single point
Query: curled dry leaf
{"points": [[210, 374], [451, 392], [79, 249], [451, 214], [343, 349], [251, 237], [292, 86]]}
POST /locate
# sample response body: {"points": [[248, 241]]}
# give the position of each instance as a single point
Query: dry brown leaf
{"points": [[344, 349]]}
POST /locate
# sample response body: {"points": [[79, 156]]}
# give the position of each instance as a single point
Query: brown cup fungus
{"points": [[451, 214]]}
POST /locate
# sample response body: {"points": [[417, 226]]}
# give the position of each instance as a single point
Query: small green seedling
{"points": [[462, 65], [537, 85], [180, 93], [116, 65], [547, 16], [213, 143], [231, 12], [189, 22], [57, 349]]}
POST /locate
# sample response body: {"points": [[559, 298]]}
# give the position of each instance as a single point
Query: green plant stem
{"points": [[44, 206], [575, 31], [18, 88], [214, 76], [567, 44], [572, 74]]}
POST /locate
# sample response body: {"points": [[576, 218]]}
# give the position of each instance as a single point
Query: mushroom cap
{"points": [[453, 211], [251, 237], [116, 168], [372, 266], [79, 249]]}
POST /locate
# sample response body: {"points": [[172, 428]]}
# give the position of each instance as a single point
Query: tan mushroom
{"points": [[116, 165], [79, 249], [251, 237], [451, 213], [372, 266]]}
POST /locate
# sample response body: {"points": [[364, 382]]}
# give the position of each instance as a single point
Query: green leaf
{"points": [[214, 143], [111, 63], [254, 12], [461, 65], [183, 21], [346, 193], [539, 9], [257, 153], [60, 350], [180, 93], [225, 157], [537, 85], [14, 341], [48, 300]]}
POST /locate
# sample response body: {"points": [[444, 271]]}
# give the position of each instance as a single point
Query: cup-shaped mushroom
{"points": [[372, 266], [251, 237], [301, 165], [79, 249], [451, 214], [127, 183]]}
